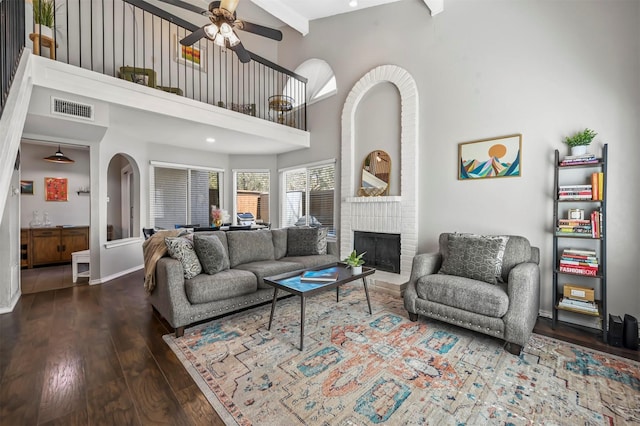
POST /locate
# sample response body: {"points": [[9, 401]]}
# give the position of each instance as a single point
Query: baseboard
{"points": [[12, 305], [114, 276]]}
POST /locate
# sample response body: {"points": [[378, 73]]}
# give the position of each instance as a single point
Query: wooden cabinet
{"points": [[25, 256], [55, 245]]}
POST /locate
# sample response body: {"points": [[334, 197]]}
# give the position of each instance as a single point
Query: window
{"points": [[183, 196], [309, 197], [321, 83], [252, 196]]}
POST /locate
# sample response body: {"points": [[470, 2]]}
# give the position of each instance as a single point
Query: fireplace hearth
{"points": [[382, 250]]}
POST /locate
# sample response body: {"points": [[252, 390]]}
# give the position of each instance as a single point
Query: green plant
{"points": [[581, 138], [355, 259], [44, 13]]}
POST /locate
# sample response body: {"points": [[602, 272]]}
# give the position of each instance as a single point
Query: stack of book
{"points": [[575, 160], [575, 192], [575, 227], [596, 224], [578, 299], [580, 262]]}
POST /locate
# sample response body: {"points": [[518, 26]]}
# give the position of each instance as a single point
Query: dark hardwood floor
{"points": [[95, 355], [45, 278]]}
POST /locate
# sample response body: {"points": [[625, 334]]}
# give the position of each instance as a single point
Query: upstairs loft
{"points": [[121, 60]]}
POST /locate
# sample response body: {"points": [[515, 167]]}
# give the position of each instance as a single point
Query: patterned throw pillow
{"points": [[211, 253], [181, 249], [306, 241], [478, 257]]}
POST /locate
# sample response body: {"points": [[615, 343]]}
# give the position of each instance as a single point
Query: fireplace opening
{"points": [[382, 250]]}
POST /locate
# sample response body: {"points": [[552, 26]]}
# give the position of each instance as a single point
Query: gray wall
{"points": [[492, 68]]}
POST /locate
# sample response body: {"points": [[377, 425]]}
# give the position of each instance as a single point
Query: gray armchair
{"points": [[485, 284]]}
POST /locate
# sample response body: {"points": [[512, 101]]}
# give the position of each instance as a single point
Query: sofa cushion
{"points": [[304, 241], [313, 260], [475, 256], [279, 237], [465, 293], [249, 246], [211, 253], [268, 268], [181, 249], [205, 288]]}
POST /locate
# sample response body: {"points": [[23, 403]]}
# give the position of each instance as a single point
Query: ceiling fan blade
{"points": [[259, 30], [229, 5], [187, 6], [193, 37], [243, 54]]}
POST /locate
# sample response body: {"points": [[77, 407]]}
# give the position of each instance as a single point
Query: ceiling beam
{"points": [[285, 14], [435, 6]]}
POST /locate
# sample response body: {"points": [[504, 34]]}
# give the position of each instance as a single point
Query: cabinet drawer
{"points": [[44, 232]]}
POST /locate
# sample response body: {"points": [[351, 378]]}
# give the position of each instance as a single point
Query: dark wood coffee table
{"points": [[290, 282]]}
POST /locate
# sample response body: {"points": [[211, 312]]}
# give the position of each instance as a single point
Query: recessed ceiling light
{"points": [[353, 3], [211, 140]]}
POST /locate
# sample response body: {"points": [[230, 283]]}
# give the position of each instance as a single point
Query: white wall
{"points": [[492, 68], [76, 210], [10, 249]]}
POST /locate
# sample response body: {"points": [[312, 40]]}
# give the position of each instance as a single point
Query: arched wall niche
{"points": [[400, 213], [123, 192]]}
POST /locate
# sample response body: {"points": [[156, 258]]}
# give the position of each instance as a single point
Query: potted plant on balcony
{"points": [[579, 142], [44, 12], [355, 261]]}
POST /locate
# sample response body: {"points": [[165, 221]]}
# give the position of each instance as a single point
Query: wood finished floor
{"points": [[44, 278], [94, 355]]}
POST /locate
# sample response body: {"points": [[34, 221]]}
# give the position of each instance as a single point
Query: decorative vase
{"points": [[217, 223], [44, 31], [579, 150], [357, 270], [36, 220]]}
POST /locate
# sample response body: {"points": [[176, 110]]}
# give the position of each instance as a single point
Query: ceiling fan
{"points": [[224, 22]]}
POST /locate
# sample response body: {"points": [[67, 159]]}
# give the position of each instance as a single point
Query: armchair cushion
{"points": [[464, 293], [475, 256]]}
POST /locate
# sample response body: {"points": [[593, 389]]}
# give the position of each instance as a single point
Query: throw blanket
{"points": [[153, 249]]}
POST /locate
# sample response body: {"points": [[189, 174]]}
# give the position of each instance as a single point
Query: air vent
{"points": [[71, 109]]}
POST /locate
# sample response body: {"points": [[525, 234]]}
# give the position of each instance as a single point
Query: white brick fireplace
{"points": [[387, 214]]}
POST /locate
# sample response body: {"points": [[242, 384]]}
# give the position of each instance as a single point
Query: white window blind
{"points": [[309, 197], [183, 196]]}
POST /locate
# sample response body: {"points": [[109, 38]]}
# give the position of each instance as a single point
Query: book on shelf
{"points": [[579, 270], [583, 252], [594, 186], [601, 185], [579, 305], [564, 261], [324, 275], [585, 187], [573, 222]]}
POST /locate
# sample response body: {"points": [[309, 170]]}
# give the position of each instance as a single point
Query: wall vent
{"points": [[71, 109]]}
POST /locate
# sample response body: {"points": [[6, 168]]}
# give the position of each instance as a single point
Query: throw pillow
{"points": [[249, 246], [182, 250], [211, 253], [306, 241], [478, 257]]}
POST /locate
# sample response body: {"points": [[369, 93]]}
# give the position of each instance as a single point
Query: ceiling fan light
{"points": [[211, 31], [225, 29], [219, 40], [59, 157], [233, 39]]}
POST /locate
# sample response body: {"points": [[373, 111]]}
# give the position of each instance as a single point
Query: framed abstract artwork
{"points": [[490, 158], [193, 56], [55, 189]]}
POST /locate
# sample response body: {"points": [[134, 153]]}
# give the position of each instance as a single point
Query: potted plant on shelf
{"points": [[355, 261], [579, 142], [44, 17]]}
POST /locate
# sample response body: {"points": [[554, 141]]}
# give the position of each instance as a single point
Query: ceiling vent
{"points": [[71, 109]]}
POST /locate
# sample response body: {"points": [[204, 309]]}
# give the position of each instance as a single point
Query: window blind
{"points": [[169, 197]]}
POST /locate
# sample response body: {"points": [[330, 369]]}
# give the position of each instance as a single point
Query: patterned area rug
{"points": [[360, 369]]}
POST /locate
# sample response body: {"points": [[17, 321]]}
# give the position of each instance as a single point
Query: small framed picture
{"points": [[575, 214], [26, 187], [193, 56]]}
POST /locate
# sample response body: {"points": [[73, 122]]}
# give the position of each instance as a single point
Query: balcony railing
{"points": [[136, 41], [11, 44]]}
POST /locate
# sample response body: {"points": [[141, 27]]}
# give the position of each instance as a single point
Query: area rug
{"points": [[361, 369]]}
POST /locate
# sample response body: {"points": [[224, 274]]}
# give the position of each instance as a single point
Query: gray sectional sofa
{"points": [[251, 256], [489, 284]]}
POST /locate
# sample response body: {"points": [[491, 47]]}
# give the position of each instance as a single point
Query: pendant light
{"points": [[58, 157]]}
